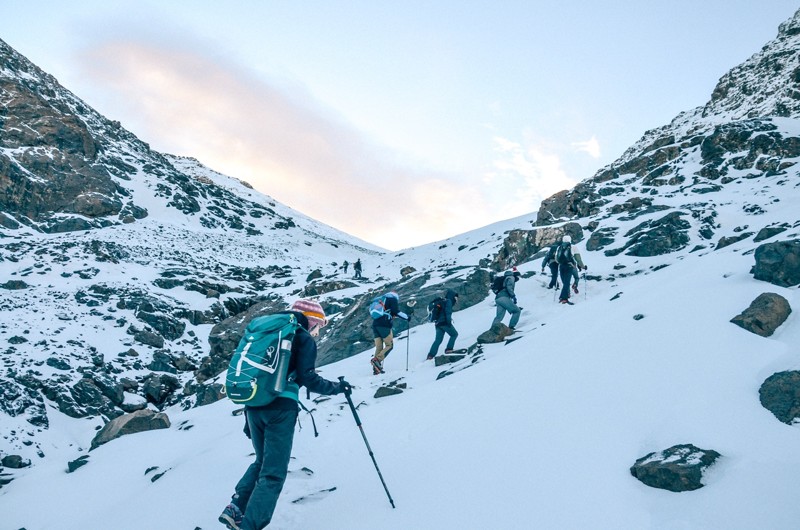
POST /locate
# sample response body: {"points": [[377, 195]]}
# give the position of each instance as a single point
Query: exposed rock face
{"points": [[765, 314], [778, 263], [521, 246], [139, 421], [780, 394], [679, 468]]}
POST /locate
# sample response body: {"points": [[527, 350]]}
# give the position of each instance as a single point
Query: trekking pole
{"points": [[358, 422], [584, 285], [408, 340]]}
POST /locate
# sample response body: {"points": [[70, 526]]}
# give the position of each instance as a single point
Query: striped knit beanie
{"points": [[312, 311]]}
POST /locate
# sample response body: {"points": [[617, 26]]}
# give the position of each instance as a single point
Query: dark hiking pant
{"points": [[565, 271], [272, 433], [504, 303], [553, 275], [440, 331]]}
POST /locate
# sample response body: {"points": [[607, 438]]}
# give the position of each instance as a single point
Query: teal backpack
{"points": [[258, 371]]}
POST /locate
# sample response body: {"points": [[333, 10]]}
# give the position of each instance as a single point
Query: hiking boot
{"points": [[575, 288], [430, 358], [564, 301], [377, 366], [231, 517]]}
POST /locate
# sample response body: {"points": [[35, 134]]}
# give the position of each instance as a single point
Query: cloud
{"points": [[591, 146], [276, 136], [523, 176]]}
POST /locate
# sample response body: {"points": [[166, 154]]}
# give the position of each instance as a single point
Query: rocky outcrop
{"points": [[521, 246], [679, 468], [778, 263], [780, 394], [765, 314], [497, 333], [139, 421]]}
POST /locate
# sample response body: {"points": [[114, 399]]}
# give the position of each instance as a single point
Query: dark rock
{"points": [[162, 363], [77, 463], [497, 333], [770, 231], [159, 388], [387, 391], [139, 421], [208, 394], [318, 289], [765, 314], [440, 360], [14, 285], [58, 364], [315, 274], [148, 338], [654, 238], [730, 240], [778, 263], [15, 462], [406, 271], [780, 394], [601, 238], [679, 468]]}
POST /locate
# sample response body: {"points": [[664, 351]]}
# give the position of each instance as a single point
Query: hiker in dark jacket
{"points": [[550, 262], [271, 427], [357, 268], [444, 324], [506, 300], [566, 267], [382, 329]]}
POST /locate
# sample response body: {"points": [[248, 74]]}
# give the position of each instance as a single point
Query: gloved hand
{"points": [[345, 388], [402, 315], [585, 267], [514, 299]]}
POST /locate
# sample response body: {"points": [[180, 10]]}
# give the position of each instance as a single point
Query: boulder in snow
{"points": [[778, 263], [139, 421], [679, 468], [765, 314]]}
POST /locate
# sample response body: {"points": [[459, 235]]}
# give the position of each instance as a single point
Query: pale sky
{"points": [[403, 122]]}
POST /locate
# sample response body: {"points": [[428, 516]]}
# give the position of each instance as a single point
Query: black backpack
{"points": [[498, 284], [436, 309], [563, 254]]}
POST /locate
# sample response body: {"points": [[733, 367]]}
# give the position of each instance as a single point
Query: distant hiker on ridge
{"points": [[566, 268], [382, 310], [345, 265], [506, 300], [442, 317], [271, 427], [550, 261], [357, 268]]}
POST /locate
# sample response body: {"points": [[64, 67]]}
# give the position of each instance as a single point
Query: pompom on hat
{"points": [[312, 311], [566, 239]]}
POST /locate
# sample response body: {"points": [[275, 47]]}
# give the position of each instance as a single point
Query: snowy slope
{"points": [[538, 433]]}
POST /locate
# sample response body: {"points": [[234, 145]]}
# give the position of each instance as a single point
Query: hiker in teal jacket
{"points": [[271, 428], [506, 300]]}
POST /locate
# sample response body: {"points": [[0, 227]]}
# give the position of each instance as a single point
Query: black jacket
{"points": [[446, 316]]}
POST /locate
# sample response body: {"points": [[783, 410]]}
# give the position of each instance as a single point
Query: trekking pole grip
{"points": [[350, 402]]}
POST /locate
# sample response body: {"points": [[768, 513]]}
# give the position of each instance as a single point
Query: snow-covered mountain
{"points": [[124, 270]]}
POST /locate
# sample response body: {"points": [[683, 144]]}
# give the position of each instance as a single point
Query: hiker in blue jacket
{"points": [[506, 300], [382, 329], [444, 324], [271, 427]]}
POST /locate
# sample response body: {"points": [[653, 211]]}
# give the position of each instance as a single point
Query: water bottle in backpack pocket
{"points": [[258, 370]]}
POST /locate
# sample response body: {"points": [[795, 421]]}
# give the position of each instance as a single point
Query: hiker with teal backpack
{"points": [[567, 266], [441, 314], [506, 300], [383, 310], [276, 356]]}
